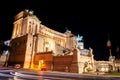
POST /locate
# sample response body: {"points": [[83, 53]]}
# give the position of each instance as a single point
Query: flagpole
{"points": [[109, 45], [110, 51]]}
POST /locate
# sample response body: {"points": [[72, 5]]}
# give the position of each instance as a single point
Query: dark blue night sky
{"points": [[92, 20]]}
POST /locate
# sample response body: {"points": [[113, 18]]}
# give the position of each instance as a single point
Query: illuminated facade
{"points": [[35, 46], [30, 37]]}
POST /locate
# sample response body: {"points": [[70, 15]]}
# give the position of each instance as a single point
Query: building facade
{"points": [[35, 46], [31, 38]]}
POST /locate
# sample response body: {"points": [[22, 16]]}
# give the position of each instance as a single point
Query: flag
{"points": [[108, 43], [117, 49]]}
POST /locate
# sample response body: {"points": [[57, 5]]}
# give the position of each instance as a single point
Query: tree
{"points": [[3, 47]]}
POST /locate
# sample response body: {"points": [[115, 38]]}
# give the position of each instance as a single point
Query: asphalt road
{"points": [[22, 74]]}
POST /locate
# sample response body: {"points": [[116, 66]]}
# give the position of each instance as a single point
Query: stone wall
{"points": [[17, 52], [47, 58], [62, 63], [66, 63]]}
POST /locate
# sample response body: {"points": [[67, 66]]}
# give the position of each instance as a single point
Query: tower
{"points": [[23, 41]]}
